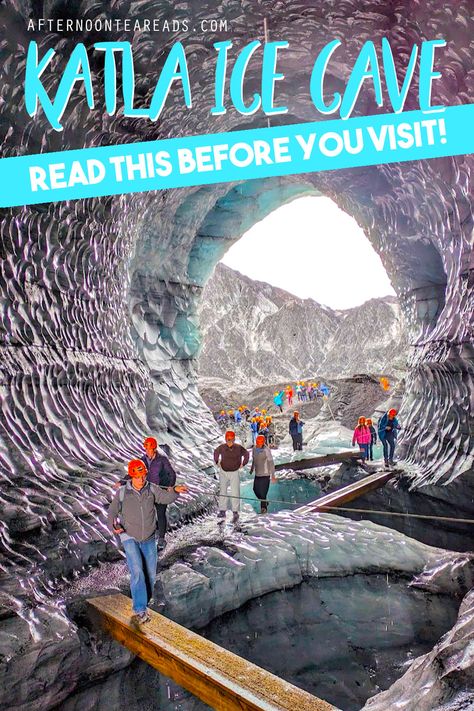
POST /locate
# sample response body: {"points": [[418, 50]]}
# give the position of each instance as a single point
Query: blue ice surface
{"points": [[295, 491]]}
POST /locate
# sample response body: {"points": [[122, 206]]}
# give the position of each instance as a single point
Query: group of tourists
{"points": [[230, 458], [138, 509], [365, 435]]}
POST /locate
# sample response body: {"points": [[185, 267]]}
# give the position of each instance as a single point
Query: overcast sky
{"points": [[312, 249]]}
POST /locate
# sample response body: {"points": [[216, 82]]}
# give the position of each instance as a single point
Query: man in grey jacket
{"points": [[132, 515]]}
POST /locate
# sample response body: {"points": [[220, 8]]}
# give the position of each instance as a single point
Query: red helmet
{"points": [[392, 412], [260, 439], [229, 434], [152, 441], [361, 420], [136, 468]]}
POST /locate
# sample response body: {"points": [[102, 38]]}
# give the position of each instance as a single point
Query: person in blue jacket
{"points": [[278, 400], [296, 431], [388, 428], [254, 429]]}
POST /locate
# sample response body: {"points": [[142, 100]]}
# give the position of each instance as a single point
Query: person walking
{"points": [[289, 395], [296, 431], [230, 457], [373, 438], [362, 437], [133, 517], [278, 400], [388, 428], [160, 472], [264, 469]]}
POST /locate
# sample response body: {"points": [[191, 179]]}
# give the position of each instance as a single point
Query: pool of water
{"points": [[289, 492]]}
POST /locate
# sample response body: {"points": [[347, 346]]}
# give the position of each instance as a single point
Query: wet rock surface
{"points": [[207, 571]]}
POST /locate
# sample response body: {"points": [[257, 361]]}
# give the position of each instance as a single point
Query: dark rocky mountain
{"points": [[254, 332]]}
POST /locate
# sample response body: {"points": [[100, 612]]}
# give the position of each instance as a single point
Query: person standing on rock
{"points": [[278, 400], [388, 428], [289, 395], [373, 438], [362, 437], [133, 517], [230, 457], [264, 468], [296, 431], [254, 429]]}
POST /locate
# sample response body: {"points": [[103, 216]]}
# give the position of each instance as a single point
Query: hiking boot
{"points": [[387, 465], [392, 463], [263, 509], [141, 618], [235, 517], [161, 544]]}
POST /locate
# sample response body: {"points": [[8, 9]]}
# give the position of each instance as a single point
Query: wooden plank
{"points": [[348, 493], [322, 461], [218, 677]]}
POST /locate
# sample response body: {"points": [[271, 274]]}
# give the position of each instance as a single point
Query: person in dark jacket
{"points": [[230, 457], [132, 516], [264, 468], [162, 473], [373, 438], [388, 428], [296, 431]]}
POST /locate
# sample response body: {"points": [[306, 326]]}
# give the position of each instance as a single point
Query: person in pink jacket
{"points": [[362, 436]]}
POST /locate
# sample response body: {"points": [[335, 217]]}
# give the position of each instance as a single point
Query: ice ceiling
{"points": [[99, 297]]}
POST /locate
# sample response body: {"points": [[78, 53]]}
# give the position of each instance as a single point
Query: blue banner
{"points": [[236, 156]]}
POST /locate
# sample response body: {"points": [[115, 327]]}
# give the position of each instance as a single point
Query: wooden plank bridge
{"points": [[218, 677], [348, 493], [322, 461]]}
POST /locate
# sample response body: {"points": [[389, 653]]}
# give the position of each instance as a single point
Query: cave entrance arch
{"points": [[198, 225]]}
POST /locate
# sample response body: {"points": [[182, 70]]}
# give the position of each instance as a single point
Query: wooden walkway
{"points": [[322, 461], [348, 493], [220, 678]]}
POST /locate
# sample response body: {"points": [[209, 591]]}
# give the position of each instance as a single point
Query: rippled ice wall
{"points": [[99, 297]]}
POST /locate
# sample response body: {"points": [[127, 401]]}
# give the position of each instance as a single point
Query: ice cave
{"points": [[99, 340]]}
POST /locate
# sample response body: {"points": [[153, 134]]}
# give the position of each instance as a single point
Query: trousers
{"points": [[388, 442], [161, 519], [141, 560], [226, 480], [260, 489], [297, 441]]}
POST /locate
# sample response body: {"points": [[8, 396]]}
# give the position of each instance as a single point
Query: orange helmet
{"points": [[229, 435], [368, 421], [150, 440], [361, 421], [260, 439], [392, 412], [136, 468]]}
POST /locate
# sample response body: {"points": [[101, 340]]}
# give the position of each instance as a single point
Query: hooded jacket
{"points": [[384, 422], [361, 435], [295, 427], [262, 462], [138, 514]]}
